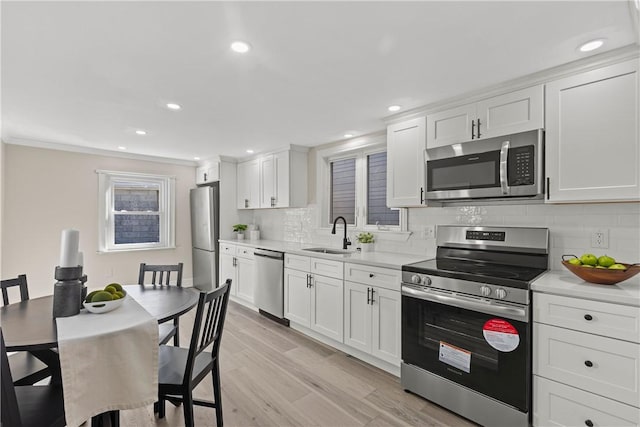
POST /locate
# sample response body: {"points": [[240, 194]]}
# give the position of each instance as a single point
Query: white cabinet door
{"points": [[513, 112], [297, 301], [406, 143], [327, 306], [357, 316], [450, 126], [228, 271], [592, 148], [282, 184], [267, 182], [246, 269], [386, 325], [248, 185]]}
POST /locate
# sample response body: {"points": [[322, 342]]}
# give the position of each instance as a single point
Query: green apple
{"points": [[587, 265], [617, 267], [589, 259], [601, 267], [606, 261], [575, 261]]}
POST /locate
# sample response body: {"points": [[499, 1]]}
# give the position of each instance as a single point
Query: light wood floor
{"points": [[274, 376]]}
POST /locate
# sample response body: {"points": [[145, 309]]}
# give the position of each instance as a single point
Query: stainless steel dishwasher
{"points": [[269, 286]]}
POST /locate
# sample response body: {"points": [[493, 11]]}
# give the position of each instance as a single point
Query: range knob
{"points": [[415, 279], [485, 291], [501, 293]]}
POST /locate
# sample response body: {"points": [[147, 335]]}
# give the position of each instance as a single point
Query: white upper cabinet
{"points": [[208, 172], [248, 185], [405, 163], [513, 112], [279, 180], [592, 149]]}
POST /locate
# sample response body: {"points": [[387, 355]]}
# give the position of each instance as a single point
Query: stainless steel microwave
{"points": [[494, 168]]}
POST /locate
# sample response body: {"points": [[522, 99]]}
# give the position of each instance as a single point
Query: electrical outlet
{"points": [[600, 238], [429, 232]]}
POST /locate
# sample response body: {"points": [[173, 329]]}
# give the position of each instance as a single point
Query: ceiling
{"points": [[92, 73]]}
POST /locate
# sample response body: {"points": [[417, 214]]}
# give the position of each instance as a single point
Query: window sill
{"points": [[110, 251]]}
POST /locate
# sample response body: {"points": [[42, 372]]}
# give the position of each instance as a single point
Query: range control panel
{"points": [[495, 236]]}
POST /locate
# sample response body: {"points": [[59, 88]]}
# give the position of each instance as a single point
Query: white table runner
{"points": [[109, 361]]}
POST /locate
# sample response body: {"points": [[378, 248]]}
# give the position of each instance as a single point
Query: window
{"points": [[358, 189], [136, 211]]}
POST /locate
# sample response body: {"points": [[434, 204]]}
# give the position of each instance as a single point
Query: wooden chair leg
{"points": [[176, 337], [217, 392], [161, 407], [188, 409]]}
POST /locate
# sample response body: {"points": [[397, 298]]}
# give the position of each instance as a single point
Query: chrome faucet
{"points": [[345, 240]]}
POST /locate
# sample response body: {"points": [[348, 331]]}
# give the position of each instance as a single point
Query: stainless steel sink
{"points": [[328, 251]]}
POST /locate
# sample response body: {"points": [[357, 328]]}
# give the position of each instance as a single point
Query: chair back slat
{"points": [[208, 325], [9, 401], [20, 281], [160, 274]]}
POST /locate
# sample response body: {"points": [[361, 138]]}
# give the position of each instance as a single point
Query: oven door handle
{"points": [[504, 160], [484, 306]]}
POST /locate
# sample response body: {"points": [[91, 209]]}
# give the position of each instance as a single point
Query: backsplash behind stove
{"points": [[570, 226]]}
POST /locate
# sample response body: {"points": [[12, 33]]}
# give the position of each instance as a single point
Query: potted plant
{"points": [[366, 241], [239, 230]]}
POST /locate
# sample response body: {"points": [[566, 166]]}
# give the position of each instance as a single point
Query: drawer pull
{"points": [[588, 317], [588, 363], [588, 423], [371, 274]]}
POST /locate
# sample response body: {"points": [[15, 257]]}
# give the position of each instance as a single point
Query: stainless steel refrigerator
{"points": [[205, 229]]}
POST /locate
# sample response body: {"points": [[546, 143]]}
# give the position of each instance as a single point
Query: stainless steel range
{"points": [[466, 322]]}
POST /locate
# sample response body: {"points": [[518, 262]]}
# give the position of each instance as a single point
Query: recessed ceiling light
{"points": [[250, 151], [196, 158], [240, 47], [122, 148], [141, 132], [591, 45], [172, 106], [394, 108], [348, 135]]}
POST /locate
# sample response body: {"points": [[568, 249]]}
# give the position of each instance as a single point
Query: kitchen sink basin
{"points": [[328, 251]]}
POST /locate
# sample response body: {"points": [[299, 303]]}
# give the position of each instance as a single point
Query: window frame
{"points": [[106, 212], [358, 149]]}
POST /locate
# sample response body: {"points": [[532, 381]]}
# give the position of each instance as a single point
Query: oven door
{"points": [[482, 345]]}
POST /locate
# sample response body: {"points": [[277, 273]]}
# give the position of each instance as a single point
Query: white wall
{"points": [[2, 181], [47, 191], [570, 227]]}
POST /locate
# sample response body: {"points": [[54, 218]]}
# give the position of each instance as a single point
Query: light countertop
{"points": [[378, 259], [567, 284]]}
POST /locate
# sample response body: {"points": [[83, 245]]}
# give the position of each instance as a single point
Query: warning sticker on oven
{"points": [[455, 356], [501, 335]]}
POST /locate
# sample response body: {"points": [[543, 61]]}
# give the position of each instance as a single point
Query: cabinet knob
{"points": [[371, 274], [588, 363], [588, 317], [588, 423]]}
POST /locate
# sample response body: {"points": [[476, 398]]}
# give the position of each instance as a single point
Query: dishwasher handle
{"points": [[269, 254]]}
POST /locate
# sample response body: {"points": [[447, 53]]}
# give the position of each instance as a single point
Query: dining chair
{"points": [[180, 370], [26, 369], [161, 275], [28, 405]]}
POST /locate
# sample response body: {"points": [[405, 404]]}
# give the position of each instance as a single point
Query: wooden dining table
{"points": [[30, 326]]}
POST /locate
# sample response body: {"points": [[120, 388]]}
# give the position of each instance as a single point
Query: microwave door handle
{"points": [[504, 156]]}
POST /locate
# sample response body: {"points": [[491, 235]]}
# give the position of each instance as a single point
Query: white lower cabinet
{"points": [[586, 362], [238, 264], [372, 320], [313, 300]]}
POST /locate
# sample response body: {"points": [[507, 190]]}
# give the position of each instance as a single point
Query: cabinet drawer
{"points": [[373, 276], [326, 267], [604, 366], [244, 252], [560, 405], [594, 317], [297, 262], [226, 248]]}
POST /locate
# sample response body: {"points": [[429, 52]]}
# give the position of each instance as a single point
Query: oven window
{"points": [[449, 342], [464, 172]]}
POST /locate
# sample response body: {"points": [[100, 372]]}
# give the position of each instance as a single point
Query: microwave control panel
{"points": [[521, 166]]}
